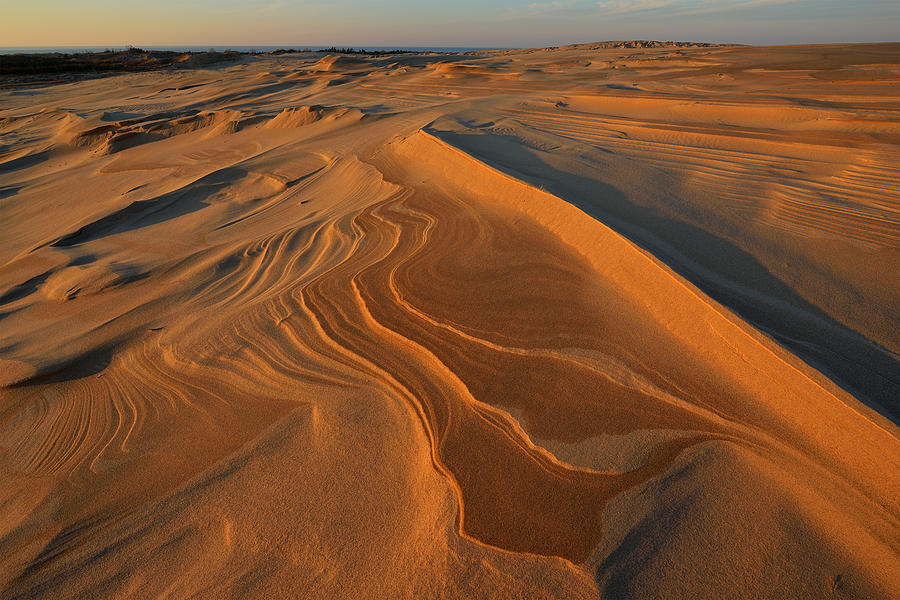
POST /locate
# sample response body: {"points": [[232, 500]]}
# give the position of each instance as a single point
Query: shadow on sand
{"points": [[716, 266]]}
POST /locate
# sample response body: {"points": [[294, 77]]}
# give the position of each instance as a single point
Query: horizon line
{"points": [[412, 45]]}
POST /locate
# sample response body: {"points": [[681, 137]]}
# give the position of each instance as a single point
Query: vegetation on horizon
{"points": [[110, 60], [336, 50]]}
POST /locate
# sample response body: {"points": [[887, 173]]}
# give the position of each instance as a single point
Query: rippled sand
{"points": [[581, 322]]}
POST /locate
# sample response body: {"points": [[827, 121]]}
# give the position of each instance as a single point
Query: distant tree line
{"points": [[133, 58], [336, 50]]}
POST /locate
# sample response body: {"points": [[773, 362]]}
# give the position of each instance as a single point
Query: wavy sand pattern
{"points": [[583, 322]]}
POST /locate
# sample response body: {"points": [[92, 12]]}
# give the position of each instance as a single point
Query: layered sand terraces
{"points": [[583, 322]]}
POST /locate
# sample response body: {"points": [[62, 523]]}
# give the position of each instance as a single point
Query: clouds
{"points": [[559, 4], [551, 7], [619, 7], [685, 7], [625, 8], [743, 21]]}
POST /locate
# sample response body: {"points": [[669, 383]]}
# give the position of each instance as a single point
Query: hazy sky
{"points": [[440, 23]]}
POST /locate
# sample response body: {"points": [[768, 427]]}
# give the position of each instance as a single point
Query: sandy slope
{"points": [[587, 322]]}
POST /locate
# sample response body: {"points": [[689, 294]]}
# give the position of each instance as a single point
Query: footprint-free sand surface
{"points": [[569, 323]]}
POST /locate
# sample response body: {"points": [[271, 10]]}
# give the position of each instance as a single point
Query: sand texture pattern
{"points": [[584, 322]]}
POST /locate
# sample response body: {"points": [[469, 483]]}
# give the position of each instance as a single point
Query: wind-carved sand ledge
{"points": [[592, 321]]}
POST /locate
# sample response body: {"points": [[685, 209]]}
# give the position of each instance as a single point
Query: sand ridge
{"points": [[580, 322]]}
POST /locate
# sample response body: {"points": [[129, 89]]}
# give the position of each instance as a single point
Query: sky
{"points": [[473, 23]]}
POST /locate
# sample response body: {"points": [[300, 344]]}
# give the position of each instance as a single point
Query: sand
{"points": [[568, 323]]}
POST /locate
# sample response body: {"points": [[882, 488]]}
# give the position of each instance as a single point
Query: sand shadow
{"points": [[24, 162], [716, 266], [89, 363], [145, 213], [8, 191]]}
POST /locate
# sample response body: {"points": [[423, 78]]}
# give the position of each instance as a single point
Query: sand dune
{"points": [[594, 321]]}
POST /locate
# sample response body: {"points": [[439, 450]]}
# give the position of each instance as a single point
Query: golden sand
{"points": [[581, 322]]}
